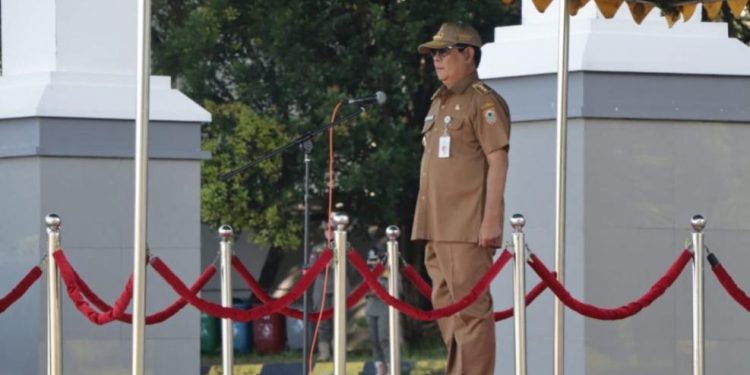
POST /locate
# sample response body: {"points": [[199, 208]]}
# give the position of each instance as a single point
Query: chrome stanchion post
{"points": [[519, 291], [340, 221], [392, 232], [698, 223], [140, 158], [54, 315], [561, 172], [227, 344]]}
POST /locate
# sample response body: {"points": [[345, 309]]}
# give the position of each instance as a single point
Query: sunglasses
{"points": [[442, 52]]}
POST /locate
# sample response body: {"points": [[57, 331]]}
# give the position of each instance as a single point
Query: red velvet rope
{"points": [[422, 287], [731, 287], [426, 291], [74, 292], [19, 290], [177, 305], [157, 317], [80, 287], [240, 315], [419, 314], [255, 287], [616, 313]]}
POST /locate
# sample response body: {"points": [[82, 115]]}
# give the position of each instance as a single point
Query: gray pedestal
{"points": [[82, 169], [645, 153]]}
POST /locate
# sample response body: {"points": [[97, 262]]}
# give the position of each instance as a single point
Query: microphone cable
{"points": [[329, 229]]}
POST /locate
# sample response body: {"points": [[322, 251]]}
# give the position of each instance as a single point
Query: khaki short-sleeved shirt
{"points": [[450, 204]]}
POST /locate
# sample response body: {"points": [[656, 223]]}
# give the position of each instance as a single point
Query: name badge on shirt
{"points": [[444, 148]]}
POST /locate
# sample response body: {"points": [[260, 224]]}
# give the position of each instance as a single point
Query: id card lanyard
{"points": [[444, 144]]}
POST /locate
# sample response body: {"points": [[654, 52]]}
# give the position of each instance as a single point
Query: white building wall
{"points": [[657, 126]]}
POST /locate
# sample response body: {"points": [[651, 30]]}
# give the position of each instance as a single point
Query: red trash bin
{"points": [[269, 334]]}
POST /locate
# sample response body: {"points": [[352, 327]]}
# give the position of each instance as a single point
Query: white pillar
{"points": [[612, 45], [68, 90], [77, 58], [67, 36]]}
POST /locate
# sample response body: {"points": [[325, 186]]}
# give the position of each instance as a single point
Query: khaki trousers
{"points": [[469, 335]]}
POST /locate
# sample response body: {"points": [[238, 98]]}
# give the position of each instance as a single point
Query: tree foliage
{"points": [[235, 130], [272, 70], [738, 27]]}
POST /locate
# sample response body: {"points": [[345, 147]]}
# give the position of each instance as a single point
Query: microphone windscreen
{"points": [[380, 97]]}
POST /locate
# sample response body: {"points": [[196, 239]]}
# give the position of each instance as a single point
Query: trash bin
{"points": [[295, 331], [210, 334], [242, 332], [269, 334]]}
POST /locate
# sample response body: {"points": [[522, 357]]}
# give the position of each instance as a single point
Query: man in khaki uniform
{"points": [[460, 205]]}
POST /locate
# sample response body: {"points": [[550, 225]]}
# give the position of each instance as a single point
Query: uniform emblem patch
{"points": [[490, 117]]}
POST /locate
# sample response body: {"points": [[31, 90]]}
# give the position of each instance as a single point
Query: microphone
{"points": [[378, 98]]}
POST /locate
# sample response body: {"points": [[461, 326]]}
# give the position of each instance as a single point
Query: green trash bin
{"points": [[210, 334]]}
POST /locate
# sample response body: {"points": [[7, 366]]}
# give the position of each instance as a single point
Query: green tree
{"points": [[283, 65], [235, 130]]}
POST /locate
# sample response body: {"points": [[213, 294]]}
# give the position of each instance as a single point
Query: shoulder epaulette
{"points": [[481, 87], [436, 93]]}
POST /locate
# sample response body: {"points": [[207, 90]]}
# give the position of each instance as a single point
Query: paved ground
{"points": [[422, 367]]}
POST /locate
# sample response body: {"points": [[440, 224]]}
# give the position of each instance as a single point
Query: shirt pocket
{"points": [[456, 129], [462, 134], [429, 122], [457, 124]]}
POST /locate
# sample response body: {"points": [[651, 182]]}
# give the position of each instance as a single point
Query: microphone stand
{"points": [[307, 148], [304, 142]]}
